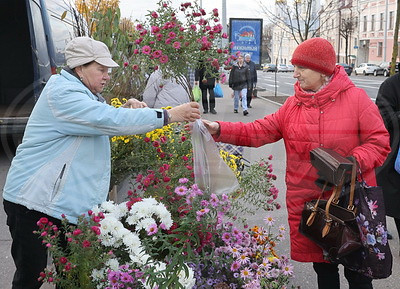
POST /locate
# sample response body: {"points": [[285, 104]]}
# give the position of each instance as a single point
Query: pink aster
{"points": [[155, 29], [235, 266], [226, 237], [201, 213], [183, 180], [181, 190], [157, 53], [287, 270], [163, 58], [152, 229], [246, 273], [154, 14], [146, 49], [176, 45]]}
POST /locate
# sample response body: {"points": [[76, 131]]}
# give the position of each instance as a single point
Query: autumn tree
{"points": [[92, 10]]}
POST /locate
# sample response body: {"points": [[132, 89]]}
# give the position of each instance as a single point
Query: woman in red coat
{"points": [[327, 110]]}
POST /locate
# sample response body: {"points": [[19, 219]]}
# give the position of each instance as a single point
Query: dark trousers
{"points": [[328, 277], [204, 99], [27, 250], [249, 96]]}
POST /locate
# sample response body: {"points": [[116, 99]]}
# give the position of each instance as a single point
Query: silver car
{"points": [[365, 68]]}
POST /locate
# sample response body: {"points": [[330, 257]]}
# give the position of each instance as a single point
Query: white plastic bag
{"points": [[211, 173]]}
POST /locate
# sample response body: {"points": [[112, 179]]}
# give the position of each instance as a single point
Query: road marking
{"points": [[367, 86]]}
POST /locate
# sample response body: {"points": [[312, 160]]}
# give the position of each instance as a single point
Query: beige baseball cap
{"points": [[82, 50]]}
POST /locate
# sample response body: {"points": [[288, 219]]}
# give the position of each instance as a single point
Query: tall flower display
{"points": [[180, 40]]}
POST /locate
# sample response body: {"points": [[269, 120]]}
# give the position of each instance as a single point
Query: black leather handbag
{"points": [[331, 165], [331, 226]]}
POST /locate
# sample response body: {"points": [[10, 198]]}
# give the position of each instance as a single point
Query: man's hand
{"points": [[134, 103], [185, 112]]}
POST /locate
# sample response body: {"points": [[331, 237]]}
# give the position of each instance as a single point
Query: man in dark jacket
{"points": [[207, 84], [239, 81], [388, 102], [253, 78]]}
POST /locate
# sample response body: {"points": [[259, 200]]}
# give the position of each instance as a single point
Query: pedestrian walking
{"points": [[326, 110], [253, 78], [62, 166], [240, 82], [206, 82]]}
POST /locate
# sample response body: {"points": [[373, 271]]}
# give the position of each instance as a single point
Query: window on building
{"points": [[380, 48], [381, 21], [365, 23], [356, 21], [391, 18], [355, 41], [373, 22], [333, 24]]}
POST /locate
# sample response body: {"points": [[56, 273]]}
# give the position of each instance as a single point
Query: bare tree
{"points": [[300, 18], [266, 46], [346, 29], [395, 39]]}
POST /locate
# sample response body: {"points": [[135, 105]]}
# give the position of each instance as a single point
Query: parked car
{"points": [[384, 69], [281, 68], [290, 68], [269, 67], [346, 67], [365, 68]]}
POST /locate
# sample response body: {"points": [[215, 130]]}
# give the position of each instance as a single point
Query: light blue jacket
{"points": [[63, 163]]}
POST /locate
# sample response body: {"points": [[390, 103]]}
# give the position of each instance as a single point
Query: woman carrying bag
{"points": [[327, 110]]}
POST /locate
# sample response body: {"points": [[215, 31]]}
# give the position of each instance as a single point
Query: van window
{"points": [[62, 29], [40, 50]]}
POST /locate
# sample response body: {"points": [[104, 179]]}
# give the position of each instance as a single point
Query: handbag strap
{"points": [[311, 218], [352, 185]]}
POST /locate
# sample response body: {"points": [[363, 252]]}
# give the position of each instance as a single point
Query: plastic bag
{"points": [[218, 90], [196, 93], [211, 173]]}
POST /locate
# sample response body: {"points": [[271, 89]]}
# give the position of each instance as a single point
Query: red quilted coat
{"points": [[340, 117]]}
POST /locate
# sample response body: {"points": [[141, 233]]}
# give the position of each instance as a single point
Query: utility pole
{"points": [[224, 23]]}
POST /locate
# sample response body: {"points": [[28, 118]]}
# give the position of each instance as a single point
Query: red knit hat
{"points": [[316, 54]]}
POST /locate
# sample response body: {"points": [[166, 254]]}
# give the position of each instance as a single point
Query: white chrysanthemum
{"points": [[165, 217], [98, 275], [108, 224], [141, 210], [141, 258], [132, 219], [108, 206], [108, 241], [132, 241], [187, 281], [113, 264]]}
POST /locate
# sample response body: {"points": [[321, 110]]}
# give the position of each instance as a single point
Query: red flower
{"points": [[63, 260], [86, 244], [154, 14], [77, 232], [156, 144]]}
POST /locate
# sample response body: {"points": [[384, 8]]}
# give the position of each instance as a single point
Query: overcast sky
{"points": [[137, 9]]}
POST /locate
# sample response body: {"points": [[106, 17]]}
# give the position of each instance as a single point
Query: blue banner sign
{"points": [[246, 33]]}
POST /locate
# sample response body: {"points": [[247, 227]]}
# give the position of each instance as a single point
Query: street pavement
{"points": [[304, 274]]}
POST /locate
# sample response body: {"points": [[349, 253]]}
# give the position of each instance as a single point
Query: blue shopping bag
{"points": [[218, 90]]}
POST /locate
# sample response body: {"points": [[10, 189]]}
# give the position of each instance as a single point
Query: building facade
{"points": [[359, 30]]}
